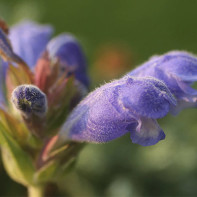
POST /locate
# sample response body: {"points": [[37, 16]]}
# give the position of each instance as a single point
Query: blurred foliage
{"points": [[123, 34]]}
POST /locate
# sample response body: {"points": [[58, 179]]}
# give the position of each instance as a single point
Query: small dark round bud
{"points": [[30, 100]]}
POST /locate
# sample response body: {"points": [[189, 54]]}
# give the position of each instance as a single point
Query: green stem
{"points": [[36, 191]]}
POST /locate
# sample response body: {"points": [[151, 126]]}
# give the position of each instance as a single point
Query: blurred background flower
{"points": [[111, 61], [145, 28]]}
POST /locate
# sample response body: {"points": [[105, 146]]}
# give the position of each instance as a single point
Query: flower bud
{"points": [[70, 55], [29, 100]]}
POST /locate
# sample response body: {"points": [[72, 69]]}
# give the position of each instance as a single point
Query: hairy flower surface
{"points": [[178, 70], [44, 128], [126, 105], [30, 100]]}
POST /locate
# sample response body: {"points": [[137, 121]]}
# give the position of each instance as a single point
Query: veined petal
{"points": [[72, 59], [29, 40]]}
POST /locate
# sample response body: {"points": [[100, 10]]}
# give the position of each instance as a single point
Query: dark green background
{"points": [[147, 27]]}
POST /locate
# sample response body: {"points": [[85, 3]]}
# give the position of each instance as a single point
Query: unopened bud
{"points": [[30, 100]]}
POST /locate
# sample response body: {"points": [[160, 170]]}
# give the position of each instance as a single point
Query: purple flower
{"points": [[26, 41], [6, 53], [178, 70], [126, 105], [29, 40], [66, 48]]}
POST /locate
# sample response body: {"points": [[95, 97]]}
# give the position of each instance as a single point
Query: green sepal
{"points": [[64, 169], [46, 173], [15, 73], [17, 162], [60, 102], [14, 126], [14, 79], [18, 130]]}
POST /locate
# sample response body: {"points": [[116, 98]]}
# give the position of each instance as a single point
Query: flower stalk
{"points": [[36, 191]]}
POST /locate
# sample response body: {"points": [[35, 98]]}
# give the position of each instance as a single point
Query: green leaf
{"points": [[46, 173], [14, 79], [65, 169], [15, 127], [17, 162], [18, 130]]}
